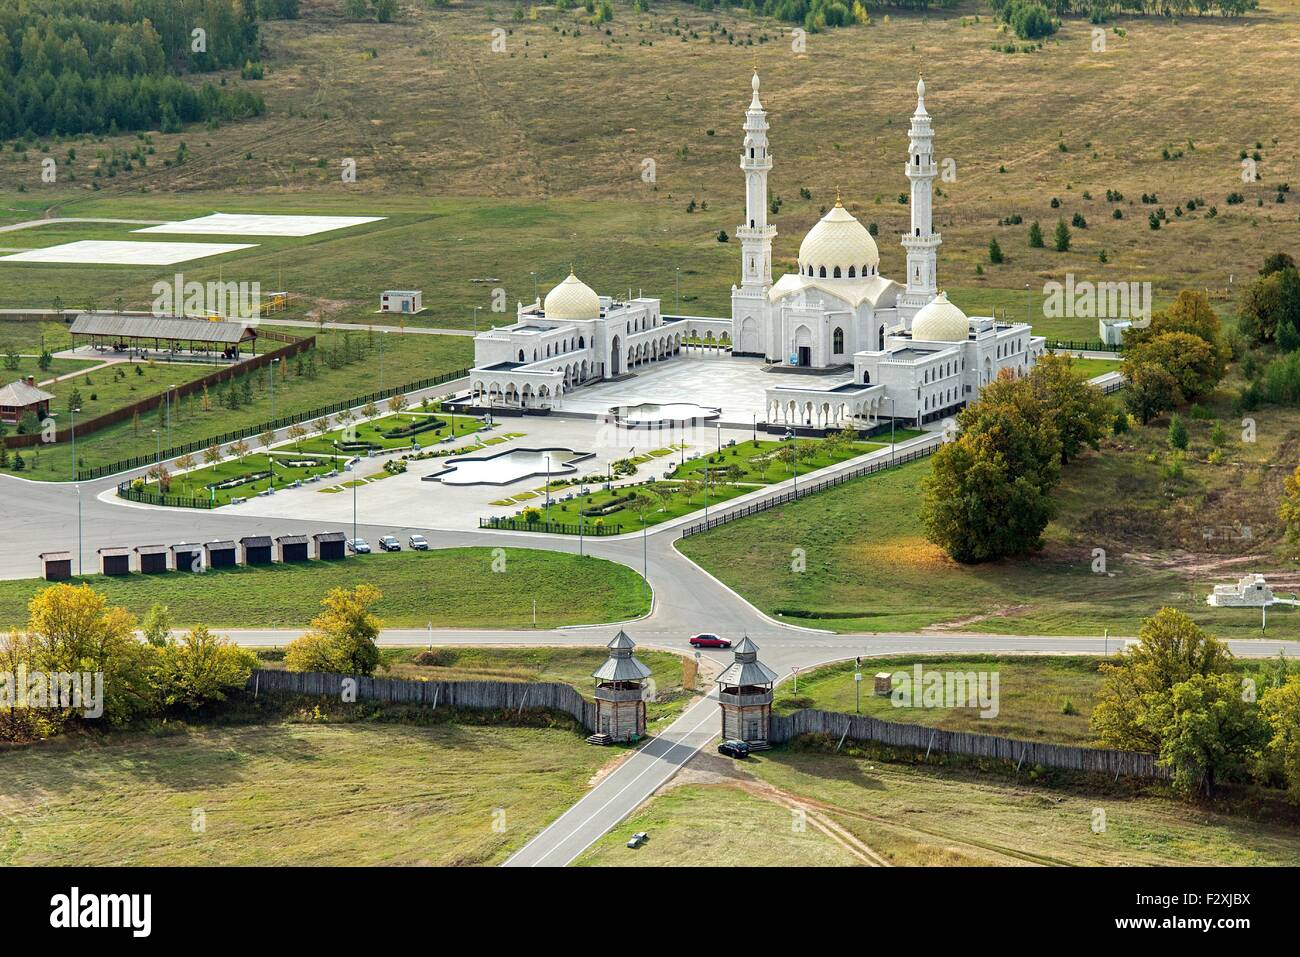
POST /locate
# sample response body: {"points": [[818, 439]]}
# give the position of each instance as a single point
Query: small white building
{"points": [[572, 338], [1250, 591], [1112, 330], [402, 300]]}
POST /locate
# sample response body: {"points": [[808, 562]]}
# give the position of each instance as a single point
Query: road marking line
{"points": [[663, 757]]}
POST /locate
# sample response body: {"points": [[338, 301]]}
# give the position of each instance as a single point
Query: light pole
{"points": [[80, 570], [677, 302], [354, 512], [534, 275], [753, 416], [170, 389], [794, 457], [382, 339], [72, 413], [158, 452], [719, 438], [548, 490], [476, 311], [1027, 322], [891, 430], [274, 362]]}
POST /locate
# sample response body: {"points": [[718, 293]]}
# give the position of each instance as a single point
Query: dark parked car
{"points": [[709, 641], [389, 543], [734, 749]]}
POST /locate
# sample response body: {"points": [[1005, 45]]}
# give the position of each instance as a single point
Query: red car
{"points": [[709, 641]]}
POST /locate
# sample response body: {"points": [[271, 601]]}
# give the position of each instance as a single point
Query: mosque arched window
{"points": [[838, 340], [821, 272], [851, 272], [837, 272]]}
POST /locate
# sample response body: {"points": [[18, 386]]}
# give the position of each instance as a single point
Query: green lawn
{"points": [[372, 432], [450, 588], [313, 794], [258, 470], [27, 365], [757, 462], [1091, 368], [106, 390], [870, 568], [407, 358], [1031, 695], [671, 503]]}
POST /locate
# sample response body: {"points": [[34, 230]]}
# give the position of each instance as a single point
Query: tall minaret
{"points": [[749, 299], [922, 242]]}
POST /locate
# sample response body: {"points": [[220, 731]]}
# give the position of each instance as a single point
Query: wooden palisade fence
{"points": [[476, 695], [933, 740]]}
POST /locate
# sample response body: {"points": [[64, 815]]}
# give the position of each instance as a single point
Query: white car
{"points": [[359, 545], [418, 543]]}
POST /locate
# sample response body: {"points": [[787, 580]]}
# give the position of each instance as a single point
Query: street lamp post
{"points": [[677, 302], [72, 412], [1027, 321], [382, 339], [354, 511], [80, 570], [548, 490], [476, 312], [170, 389], [273, 365], [891, 430]]}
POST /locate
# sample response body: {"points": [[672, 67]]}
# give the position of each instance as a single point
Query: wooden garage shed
{"points": [[220, 554], [258, 549], [187, 558], [56, 566], [293, 548], [152, 559], [330, 545], [115, 561]]}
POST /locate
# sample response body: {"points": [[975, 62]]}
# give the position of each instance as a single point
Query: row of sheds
{"points": [[194, 557]]}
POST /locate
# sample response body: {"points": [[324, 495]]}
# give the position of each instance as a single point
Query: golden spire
{"points": [[837, 197]]}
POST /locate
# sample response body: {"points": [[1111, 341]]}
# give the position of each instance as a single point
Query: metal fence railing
{"points": [[871, 468], [125, 465], [1083, 345], [555, 528], [148, 497]]}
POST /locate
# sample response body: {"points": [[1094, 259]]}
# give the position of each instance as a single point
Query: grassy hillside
{"points": [[524, 161], [1168, 533]]}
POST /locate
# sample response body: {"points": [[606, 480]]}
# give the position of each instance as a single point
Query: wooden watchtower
{"points": [[745, 693], [620, 704]]}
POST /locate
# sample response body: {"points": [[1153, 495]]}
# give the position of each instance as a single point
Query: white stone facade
{"points": [[911, 354]]}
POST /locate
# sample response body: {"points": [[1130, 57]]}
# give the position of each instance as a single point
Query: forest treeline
{"points": [[95, 66]]}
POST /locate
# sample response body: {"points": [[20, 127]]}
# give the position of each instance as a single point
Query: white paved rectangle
{"points": [[241, 224], [102, 252]]}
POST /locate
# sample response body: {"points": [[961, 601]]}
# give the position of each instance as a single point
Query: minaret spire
{"points": [[921, 242], [749, 299]]}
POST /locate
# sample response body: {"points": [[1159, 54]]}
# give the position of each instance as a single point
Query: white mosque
{"points": [[854, 345]]}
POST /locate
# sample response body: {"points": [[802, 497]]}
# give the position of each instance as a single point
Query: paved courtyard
{"points": [[408, 500], [707, 377]]}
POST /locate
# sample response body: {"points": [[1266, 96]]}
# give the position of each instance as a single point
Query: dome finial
{"points": [[920, 87], [754, 82], [838, 202]]}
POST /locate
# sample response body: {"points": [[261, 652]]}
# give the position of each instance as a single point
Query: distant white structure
{"points": [[402, 300], [1250, 591], [1112, 330]]}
